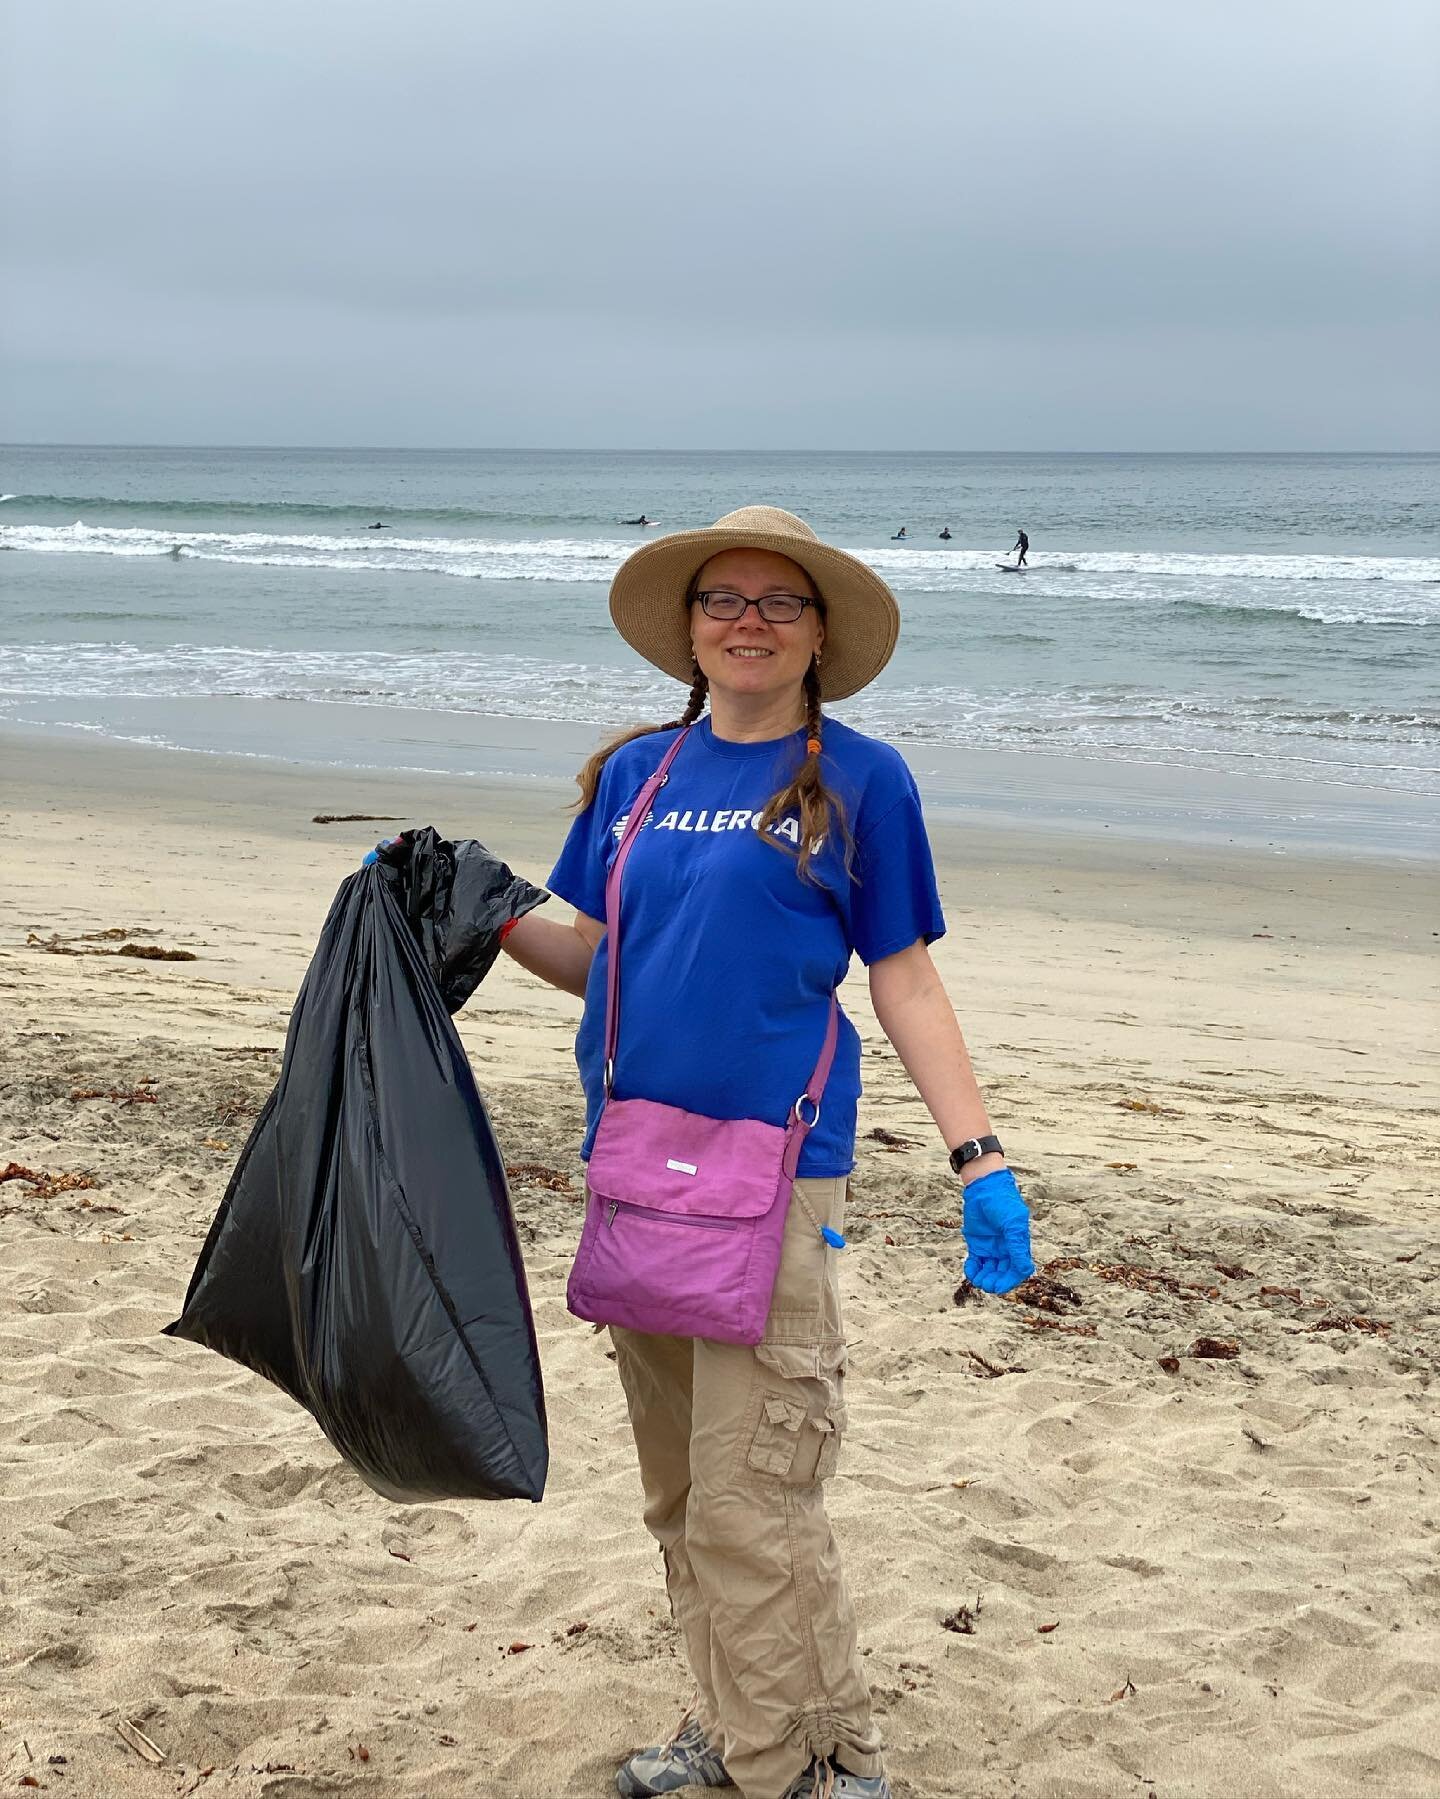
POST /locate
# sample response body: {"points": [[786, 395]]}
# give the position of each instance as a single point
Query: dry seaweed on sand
{"points": [[46, 1186], [1045, 1294], [888, 1139], [356, 818], [1056, 1324], [1150, 1280], [536, 1174], [232, 1108], [987, 1370], [56, 945], [963, 1619]]}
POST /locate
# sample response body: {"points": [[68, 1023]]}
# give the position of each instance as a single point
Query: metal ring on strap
{"points": [[809, 1123]]}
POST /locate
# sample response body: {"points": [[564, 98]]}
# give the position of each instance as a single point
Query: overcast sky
{"points": [[931, 224]]}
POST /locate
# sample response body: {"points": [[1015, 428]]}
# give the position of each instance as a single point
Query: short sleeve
{"points": [[895, 900], [579, 875]]}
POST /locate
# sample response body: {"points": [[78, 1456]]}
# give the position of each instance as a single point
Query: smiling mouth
{"points": [[748, 655]]}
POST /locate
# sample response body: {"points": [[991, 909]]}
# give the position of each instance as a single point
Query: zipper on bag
{"points": [[701, 1224]]}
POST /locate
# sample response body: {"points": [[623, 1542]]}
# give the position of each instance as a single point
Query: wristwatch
{"points": [[972, 1149]]}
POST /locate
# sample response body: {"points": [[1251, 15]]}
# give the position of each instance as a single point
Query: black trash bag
{"points": [[364, 1257]]}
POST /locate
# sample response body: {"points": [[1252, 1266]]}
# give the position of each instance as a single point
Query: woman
{"points": [[782, 843]]}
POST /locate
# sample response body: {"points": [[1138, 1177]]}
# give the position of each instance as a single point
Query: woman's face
{"points": [[748, 656]]}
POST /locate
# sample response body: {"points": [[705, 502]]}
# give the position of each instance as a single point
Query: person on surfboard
{"points": [[1022, 543]]}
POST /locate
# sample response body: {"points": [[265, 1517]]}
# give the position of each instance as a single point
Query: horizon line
{"points": [[677, 450]]}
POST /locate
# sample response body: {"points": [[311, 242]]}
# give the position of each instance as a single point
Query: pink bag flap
{"points": [[653, 1155]]}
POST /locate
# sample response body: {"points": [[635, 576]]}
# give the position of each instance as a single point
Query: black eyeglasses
{"points": [[774, 608]]}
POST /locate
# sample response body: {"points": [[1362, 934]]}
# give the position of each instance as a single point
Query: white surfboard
{"points": [[1013, 568]]}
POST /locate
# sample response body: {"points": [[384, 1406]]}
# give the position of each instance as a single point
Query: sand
{"points": [[1082, 1568]]}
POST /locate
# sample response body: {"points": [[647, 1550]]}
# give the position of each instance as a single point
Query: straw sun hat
{"points": [[862, 621]]}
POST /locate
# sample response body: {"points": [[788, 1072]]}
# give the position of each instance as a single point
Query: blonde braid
{"points": [[820, 810], [695, 705]]}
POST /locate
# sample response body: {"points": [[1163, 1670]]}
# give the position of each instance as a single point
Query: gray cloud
{"points": [[1012, 224]]}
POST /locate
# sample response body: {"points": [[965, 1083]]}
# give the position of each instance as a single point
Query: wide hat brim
{"points": [[862, 620]]}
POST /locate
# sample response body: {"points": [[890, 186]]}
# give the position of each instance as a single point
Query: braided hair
{"points": [[820, 810]]}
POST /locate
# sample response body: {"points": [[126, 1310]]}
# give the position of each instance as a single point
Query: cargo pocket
{"points": [[800, 1418]]}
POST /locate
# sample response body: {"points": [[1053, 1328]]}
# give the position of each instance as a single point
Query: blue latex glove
{"points": [[373, 856], [997, 1233]]}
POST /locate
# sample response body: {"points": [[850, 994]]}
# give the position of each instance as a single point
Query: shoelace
{"points": [[685, 1717]]}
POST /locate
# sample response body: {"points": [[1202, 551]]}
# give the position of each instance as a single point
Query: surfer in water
{"points": [[1022, 544], [945, 535], [899, 535], [642, 520], [377, 526]]}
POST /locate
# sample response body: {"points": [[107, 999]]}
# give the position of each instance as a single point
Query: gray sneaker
{"points": [[821, 1781], [688, 1761]]}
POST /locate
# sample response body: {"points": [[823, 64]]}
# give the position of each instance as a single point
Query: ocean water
{"points": [[1243, 620]]}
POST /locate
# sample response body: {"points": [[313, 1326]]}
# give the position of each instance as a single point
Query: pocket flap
{"points": [[784, 1412], [684, 1164]]}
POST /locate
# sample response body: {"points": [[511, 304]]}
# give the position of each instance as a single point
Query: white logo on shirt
{"points": [[724, 819]]}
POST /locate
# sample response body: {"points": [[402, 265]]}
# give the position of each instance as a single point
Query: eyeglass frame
{"points": [[802, 600]]}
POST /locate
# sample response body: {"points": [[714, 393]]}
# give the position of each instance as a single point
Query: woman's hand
{"points": [[996, 1226]]}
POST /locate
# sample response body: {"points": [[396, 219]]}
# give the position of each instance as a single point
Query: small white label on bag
{"points": [[683, 1167]]}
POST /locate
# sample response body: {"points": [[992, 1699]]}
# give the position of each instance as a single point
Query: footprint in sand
{"points": [[267, 1489], [428, 1531]]}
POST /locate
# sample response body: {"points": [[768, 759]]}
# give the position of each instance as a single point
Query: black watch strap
{"points": [[972, 1149]]}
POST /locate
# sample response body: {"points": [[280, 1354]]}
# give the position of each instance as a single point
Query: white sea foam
{"points": [[1352, 746], [1126, 574]]}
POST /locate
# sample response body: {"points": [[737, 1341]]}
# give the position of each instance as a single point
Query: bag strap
{"points": [[799, 1125], [639, 812]]}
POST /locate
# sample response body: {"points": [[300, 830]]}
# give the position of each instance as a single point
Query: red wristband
{"points": [[506, 928]]}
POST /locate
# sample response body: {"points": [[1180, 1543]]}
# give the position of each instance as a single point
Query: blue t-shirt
{"points": [[728, 958]]}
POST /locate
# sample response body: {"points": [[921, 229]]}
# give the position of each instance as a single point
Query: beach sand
{"points": [[1079, 1571]]}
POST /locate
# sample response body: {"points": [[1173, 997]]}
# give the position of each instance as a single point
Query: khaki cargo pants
{"points": [[734, 1446]]}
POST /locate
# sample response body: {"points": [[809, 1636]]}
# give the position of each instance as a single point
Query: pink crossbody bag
{"points": [[684, 1214]]}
